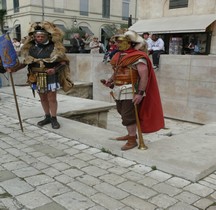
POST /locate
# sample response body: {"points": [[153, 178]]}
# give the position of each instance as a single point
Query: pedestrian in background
{"points": [[95, 45], [157, 48]]}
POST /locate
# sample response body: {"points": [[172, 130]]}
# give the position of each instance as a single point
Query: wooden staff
{"points": [[141, 140], [15, 98]]}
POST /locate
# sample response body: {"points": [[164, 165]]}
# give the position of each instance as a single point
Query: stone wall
{"points": [[187, 83]]}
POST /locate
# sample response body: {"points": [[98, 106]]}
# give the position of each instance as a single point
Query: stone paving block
{"points": [[166, 189], [211, 208], [213, 196], [39, 179], [74, 201], [47, 160], [71, 151], [122, 162], [142, 169], [203, 203], [104, 155], [199, 189], [52, 172], [6, 175], [15, 165], [61, 166], [92, 150], [28, 159], [89, 180], [159, 175], [137, 203], [51, 206], [210, 180], [111, 191], [187, 197], [26, 172], [10, 204], [101, 163], [16, 186], [133, 176], [84, 156], [148, 181], [163, 201], [97, 207], [4, 145], [207, 184], [107, 202], [94, 171], [178, 182], [33, 199], [75, 162], [137, 189], [39, 165], [53, 189], [2, 191], [48, 150], [64, 179], [82, 188], [73, 172], [81, 146], [112, 179], [118, 170], [182, 206]]}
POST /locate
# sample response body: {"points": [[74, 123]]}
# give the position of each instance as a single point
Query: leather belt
{"points": [[38, 69]]}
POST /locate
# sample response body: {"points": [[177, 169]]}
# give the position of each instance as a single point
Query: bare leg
{"points": [[53, 105], [131, 130], [44, 103]]}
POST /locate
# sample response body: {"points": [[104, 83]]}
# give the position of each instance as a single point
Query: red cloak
{"points": [[150, 111]]}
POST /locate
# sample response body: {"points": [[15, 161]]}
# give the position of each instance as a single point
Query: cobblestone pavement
{"points": [[41, 170]]}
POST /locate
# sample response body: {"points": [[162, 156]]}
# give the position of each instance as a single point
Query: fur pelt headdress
{"points": [[54, 34]]}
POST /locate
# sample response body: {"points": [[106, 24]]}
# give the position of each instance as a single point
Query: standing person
{"points": [[87, 39], [16, 45], [45, 56], [133, 68], [157, 49], [75, 43], [95, 46], [148, 40]]}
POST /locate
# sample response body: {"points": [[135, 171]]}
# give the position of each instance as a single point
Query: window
{"points": [[125, 9], [16, 5], [175, 4], [3, 4], [84, 7], [59, 6], [106, 9]]}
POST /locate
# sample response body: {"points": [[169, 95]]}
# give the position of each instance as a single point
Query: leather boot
{"points": [[122, 138], [45, 121], [54, 122], [131, 143]]}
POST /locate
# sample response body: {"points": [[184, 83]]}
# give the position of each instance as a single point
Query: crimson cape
{"points": [[150, 111]]}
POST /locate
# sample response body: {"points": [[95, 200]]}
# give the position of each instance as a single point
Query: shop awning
{"points": [[181, 24], [86, 29], [62, 27], [108, 31]]}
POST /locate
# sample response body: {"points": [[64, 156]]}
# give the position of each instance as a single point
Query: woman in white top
{"points": [[95, 46]]}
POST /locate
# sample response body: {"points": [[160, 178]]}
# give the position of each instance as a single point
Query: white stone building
{"points": [[88, 15]]}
